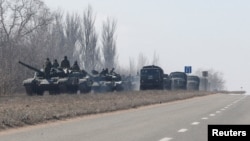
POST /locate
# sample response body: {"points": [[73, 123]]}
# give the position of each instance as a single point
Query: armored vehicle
{"points": [[58, 81], [106, 82], [178, 80], [151, 77], [193, 82]]}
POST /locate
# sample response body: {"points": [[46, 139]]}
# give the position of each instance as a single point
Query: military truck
{"points": [[151, 77], [193, 82], [58, 81], [178, 80]]}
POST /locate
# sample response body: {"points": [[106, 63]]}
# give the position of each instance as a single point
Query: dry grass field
{"points": [[22, 110]]}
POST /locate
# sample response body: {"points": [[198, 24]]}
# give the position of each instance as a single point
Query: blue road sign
{"points": [[188, 69]]}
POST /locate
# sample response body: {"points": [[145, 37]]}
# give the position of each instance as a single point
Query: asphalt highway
{"points": [[184, 120]]}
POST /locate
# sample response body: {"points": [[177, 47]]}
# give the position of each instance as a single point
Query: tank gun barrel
{"points": [[30, 67]]}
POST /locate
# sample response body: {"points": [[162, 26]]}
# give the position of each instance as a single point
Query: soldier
{"points": [[112, 71], [75, 66], [102, 72], [47, 67], [55, 64], [106, 72], [95, 72], [65, 63]]}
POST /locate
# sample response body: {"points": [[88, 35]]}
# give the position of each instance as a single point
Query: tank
{"points": [[81, 81], [106, 82], [58, 81]]}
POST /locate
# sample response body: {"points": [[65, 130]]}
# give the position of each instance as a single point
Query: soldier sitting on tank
{"points": [[113, 71], [65, 63], [106, 71], [84, 73], [94, 72], [75, 67], [47, 68], [102, 72], [55, 64]]}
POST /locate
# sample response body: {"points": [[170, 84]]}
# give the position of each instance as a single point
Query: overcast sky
{"points": [[204, 34]]}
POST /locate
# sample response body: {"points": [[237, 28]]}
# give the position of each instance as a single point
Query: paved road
{"points": [[184, 120]]}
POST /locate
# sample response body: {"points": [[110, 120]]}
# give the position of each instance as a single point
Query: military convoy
{"points": [[153, 77], [73, 81]]}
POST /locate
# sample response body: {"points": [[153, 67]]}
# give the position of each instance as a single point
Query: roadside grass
{"points": [[18, 111]]}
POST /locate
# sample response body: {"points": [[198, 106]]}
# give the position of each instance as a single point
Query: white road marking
{"points": [[195, 123], [218, 111], [204, 118], [236, 101], [211, 115], [166, 139], [182, 130], [222, 109], [226, 107]]}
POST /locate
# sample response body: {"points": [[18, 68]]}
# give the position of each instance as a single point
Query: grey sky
{"points": [[204, 34]]}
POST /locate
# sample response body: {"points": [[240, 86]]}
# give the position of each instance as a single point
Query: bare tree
{"points": [[215, 79], [72, 32], [156, 59], [56, 39], [89, 51], [132, 68], [122, 70], [109, 43], [21, 17], [46, 41], [18, 19], [142, 61]]}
